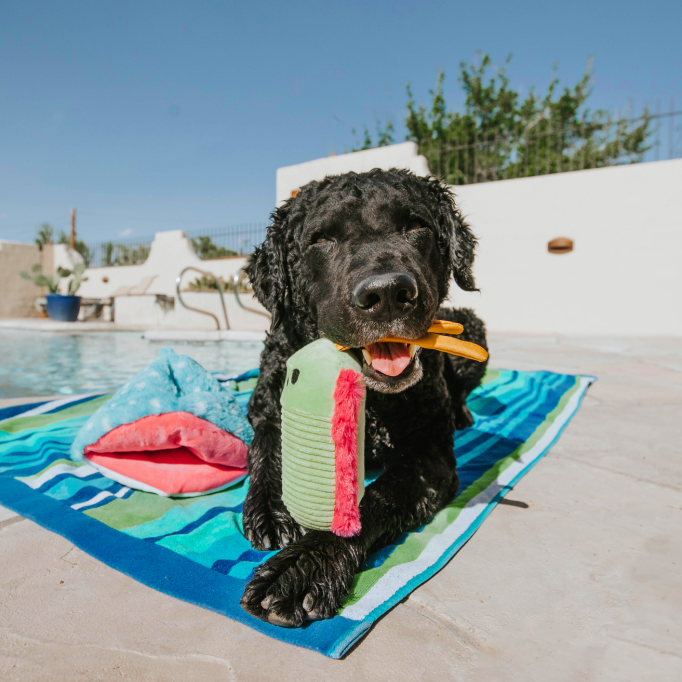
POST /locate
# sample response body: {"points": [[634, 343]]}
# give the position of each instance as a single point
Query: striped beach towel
{"points": [[194, 548]]}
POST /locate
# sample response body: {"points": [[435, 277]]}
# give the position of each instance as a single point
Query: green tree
{"points": [[385, 137], [108, 254], [500, 134], [130, 255], [81, 247], [45, 233], [205, 249], [205, 283]]}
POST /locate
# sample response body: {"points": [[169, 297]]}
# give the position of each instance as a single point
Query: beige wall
{"points": [[17, 295]]}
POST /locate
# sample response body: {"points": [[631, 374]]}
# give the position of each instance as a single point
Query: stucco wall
{"points": [[625, 273], [17, 295], [404, 155], [147, 312], [170, 253]]}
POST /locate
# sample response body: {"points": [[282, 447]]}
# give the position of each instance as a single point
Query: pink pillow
{"points": [[170, 454]]}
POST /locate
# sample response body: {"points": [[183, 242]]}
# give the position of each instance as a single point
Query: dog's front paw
{"points": [[305, 581], [267, 523]]}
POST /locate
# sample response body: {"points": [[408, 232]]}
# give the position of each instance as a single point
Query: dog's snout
{"points": [[388, 295]]}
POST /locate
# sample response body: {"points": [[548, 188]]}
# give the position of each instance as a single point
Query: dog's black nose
{"points": [[389, 295]]}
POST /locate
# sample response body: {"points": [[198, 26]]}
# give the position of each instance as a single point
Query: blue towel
{"points": [[195, 550]]}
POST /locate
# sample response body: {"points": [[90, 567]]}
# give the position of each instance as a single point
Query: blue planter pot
{"points": [[63, 308]]}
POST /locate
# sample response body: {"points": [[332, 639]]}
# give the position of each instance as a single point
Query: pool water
{"points": [[42, 364]]}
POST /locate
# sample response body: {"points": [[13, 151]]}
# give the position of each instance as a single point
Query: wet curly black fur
{"points": [[320, 245]]}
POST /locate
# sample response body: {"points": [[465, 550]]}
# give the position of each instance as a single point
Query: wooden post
{"points": [[73, 229]]}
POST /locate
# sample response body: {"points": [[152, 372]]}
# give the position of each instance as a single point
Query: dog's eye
{"points": [[414, 226], [321, 239]]}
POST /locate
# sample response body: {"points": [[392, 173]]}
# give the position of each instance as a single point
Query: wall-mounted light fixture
{"points": [[560, 245]]}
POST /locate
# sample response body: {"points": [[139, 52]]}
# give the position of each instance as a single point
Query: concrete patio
{"points": [[575, 577]]}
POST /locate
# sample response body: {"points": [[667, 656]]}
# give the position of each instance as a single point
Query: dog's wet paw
{"points": [[268, 525], [306, 581]]}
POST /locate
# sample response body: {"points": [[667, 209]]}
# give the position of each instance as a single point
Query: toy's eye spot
{"points": [[294, 376]]}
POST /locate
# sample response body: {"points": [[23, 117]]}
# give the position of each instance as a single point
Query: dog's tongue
{"points": [[389, 358]]}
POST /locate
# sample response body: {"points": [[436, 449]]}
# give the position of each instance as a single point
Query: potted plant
{"points": [[59, 307]]}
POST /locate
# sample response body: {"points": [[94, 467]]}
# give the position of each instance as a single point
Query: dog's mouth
{"points": [[390, 366], [389, 358]]}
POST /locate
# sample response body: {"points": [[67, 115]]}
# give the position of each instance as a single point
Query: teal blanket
{"points": [[194, 549]]}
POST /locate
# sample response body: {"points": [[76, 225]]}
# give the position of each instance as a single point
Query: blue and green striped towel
{"points": [[194, 548]]}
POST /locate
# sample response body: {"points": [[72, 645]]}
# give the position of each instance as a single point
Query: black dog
{"points": [[356, 258]]}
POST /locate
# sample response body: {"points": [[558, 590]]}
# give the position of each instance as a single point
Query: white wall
{"points": [[147, 312], [170, 252], [625, 273], [404, 155]]}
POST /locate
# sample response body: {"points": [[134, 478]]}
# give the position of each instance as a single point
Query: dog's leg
{"points": [[309, 579], [267, 523], [462, 375]]}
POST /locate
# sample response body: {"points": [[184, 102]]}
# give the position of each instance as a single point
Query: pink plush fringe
{"points": [[348, 396]]}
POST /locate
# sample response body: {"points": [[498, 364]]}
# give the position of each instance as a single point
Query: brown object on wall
{"points": [[105, 279], [560, 245]]}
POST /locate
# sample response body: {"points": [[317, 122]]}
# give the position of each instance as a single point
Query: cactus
{"points": [[40, 279], [75, 282]]}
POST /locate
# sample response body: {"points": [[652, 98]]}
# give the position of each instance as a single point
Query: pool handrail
{"points": [[237, 279], [178, 280]]}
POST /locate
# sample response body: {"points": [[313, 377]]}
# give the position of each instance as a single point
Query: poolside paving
{"points": [[576, 577]]}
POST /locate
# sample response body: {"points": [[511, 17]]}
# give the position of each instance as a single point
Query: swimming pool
{"points": [[41, 364]]}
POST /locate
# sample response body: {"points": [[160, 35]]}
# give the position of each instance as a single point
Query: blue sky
{"points": [[149, 115]]}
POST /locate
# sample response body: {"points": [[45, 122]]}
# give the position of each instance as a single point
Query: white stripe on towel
{"points": [[99, 497], [80, 471], [54, 404]]}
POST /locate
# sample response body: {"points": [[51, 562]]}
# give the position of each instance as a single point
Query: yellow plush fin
{"points": [[445, 327], [435, 340], [447, 344]]}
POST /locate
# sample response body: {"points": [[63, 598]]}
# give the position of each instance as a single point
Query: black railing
{"points": [[550, 147], [235, 240], [119, 252], [221, 242]]}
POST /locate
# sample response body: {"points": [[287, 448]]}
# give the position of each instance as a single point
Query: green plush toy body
{"points": [[323, 433]]}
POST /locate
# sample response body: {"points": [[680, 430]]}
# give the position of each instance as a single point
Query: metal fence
{"points": [[119, 252], [220, 242], [541, 149], [553, 148], [234, 240]]}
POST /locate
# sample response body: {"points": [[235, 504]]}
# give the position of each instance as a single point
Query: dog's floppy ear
{"points": [[266, 268], [462, 243]]}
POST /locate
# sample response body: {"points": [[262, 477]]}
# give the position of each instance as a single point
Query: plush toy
{"points": [[172, 429], [323, 428], [323, 433]]}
